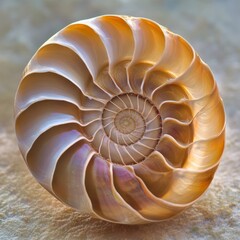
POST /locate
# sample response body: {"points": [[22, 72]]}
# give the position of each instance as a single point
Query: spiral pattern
{"points": [[118, 117]]}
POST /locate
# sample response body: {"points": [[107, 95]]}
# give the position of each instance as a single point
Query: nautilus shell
{"points": [[118, 117]]}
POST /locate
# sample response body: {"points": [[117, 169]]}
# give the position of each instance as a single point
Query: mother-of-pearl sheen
{"points": [[118, 117]]}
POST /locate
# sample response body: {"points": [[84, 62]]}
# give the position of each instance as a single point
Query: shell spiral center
{"points": [[132, 125]]}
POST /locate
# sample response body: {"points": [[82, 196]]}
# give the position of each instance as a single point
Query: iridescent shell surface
{"points": [[118, 117]]}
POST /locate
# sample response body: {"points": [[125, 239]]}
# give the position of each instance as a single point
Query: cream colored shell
{"points": [[118, 117]]}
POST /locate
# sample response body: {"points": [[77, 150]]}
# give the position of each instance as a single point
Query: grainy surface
{"points": [[27, 211]]}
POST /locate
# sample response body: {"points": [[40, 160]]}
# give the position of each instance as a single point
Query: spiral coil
{"points": [[118, 117]]}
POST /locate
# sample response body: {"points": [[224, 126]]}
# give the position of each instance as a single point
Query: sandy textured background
{"points": [[27, 211]]}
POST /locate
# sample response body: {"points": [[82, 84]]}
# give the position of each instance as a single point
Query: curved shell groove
{"points": [[118, 117]]}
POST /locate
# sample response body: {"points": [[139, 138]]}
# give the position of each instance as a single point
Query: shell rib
{"points": [[118, 117]]}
